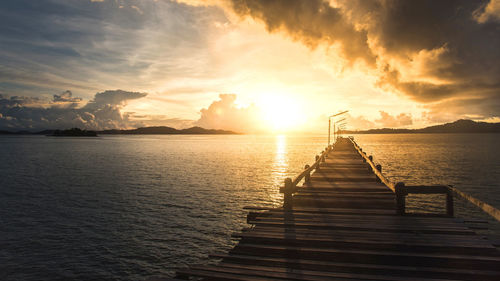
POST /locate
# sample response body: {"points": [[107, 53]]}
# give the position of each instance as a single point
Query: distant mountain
{"points": [[163, 130], [159, 130], [460, 126]]}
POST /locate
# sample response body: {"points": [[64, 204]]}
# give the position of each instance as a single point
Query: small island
{"points": [[73, 132]]}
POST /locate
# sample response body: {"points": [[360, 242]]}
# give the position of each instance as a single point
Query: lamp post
{"points": [[330, 122], [335, 126], [341, 126]]}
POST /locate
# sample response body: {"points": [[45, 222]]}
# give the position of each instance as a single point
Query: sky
{"points": [[247, 65]]}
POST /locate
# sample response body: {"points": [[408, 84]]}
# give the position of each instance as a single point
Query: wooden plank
{"points": [[355, 217], [412, 271], [344, 191], [163, 279], [341, 179], [366, 244], [354, 226], [361, 204], [374, 235], [372, 257], [360, 223], [210, 275], [327, 210], [346, 195], [298, 274], [331, 210], [326, 185]]}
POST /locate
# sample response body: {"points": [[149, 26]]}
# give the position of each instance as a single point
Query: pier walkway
{"points": [[348, 222]]}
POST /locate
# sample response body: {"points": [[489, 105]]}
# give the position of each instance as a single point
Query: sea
{"points": [[131, 207]]}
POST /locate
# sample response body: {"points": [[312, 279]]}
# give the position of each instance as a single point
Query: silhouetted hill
{"points": [[460, 126], [163, 130], [73, 132]]}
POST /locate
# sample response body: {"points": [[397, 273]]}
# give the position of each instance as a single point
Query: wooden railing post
{"points": [[371, 158], [323, 156], [317, 158], [400, 198], [379, 168], [449, 203], [288, 197], [308, 174]]}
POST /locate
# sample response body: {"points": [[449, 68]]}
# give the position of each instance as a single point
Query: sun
{"points": [[280, 112]]}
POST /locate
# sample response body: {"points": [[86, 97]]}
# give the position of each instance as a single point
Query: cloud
{"points": [[388, 120], [61, 44], [114, 98], [466, 108], [224, 114], [103, 112], [488, 12], [359, 122], [429, 51], [66, 99], [311, 22]]}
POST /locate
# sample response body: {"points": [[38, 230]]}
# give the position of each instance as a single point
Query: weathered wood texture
{"points": [[342, 224]]}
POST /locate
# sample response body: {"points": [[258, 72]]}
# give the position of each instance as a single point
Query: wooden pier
{"points": [[348, 222]]}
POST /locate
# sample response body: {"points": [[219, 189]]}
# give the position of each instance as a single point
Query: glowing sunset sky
{"points": [[248, 65]]}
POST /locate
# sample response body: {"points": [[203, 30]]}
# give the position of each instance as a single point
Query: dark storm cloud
{"points": [[428, 50], [103, 112], [311, 21]]}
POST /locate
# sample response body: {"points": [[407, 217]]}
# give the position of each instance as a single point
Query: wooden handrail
{"points": [[487, 208], [402, 190], [290, 186], [377, 169]]}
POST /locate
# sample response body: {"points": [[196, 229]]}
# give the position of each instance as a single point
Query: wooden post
{"points": [[379, 168], [316, 160], [308, 174], [329, 125], [322, 156], [288, 197], [449, 203], [371, 158], [400, 198]]}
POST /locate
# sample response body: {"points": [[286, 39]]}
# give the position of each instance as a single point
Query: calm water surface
{"points": [[131, 207]]}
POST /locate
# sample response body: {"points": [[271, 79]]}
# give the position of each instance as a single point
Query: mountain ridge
{"points": [[464, 126], [153, 130]]}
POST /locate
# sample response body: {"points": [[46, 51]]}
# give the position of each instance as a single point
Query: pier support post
{"points": [[449, 203], [288, 197], [307, 177], [400, 198]]}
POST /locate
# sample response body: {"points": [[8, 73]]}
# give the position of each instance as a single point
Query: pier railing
{"points": [[401, 190], [290, 186]]}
